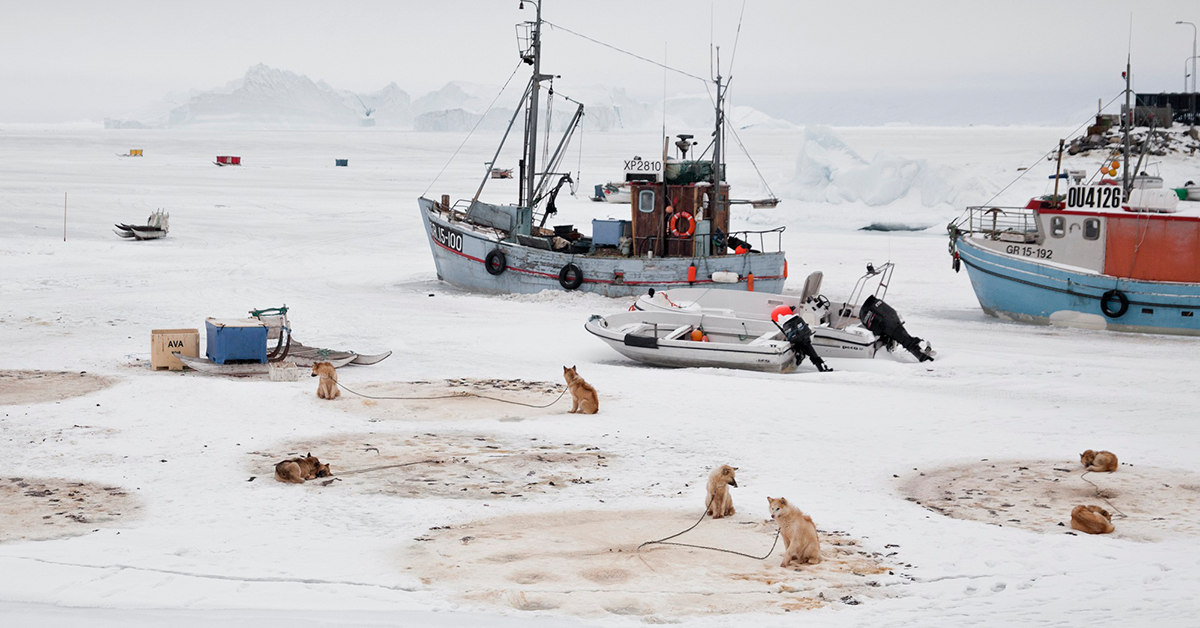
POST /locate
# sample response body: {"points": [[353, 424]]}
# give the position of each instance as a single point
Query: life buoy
{"points": [[691, 225], [1122, 303], [495, 262], [570, 277]]}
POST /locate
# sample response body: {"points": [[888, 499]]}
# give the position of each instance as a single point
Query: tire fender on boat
{"points": [[570, 277], [495, 262], [1122, 303]]}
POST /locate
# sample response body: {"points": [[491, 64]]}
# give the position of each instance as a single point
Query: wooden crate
{"points": [[163, 342]]}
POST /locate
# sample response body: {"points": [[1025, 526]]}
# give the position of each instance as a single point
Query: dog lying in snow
{"points": [[327, 388], [719, 501], [584, 398], [297, 470], [1102, 461], [1091, 519], [800, 542]]}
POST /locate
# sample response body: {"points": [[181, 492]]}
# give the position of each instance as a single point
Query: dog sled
{"points": [[285, 349], [156, 227]]}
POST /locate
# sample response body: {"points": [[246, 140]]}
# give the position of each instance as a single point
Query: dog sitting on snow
{"points": [[584, 398], [327, 388], [719, 501], [1101, 461], [800, 542], [297, 470], [1091, 519]]}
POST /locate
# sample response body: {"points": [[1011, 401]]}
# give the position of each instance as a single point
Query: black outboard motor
{"points": [[885, 323], [799, 335]]}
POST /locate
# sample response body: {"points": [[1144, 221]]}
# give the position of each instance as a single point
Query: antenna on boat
{"points": [[1127, 115]]}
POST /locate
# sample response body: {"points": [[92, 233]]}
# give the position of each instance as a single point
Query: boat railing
{"points": [[998, 223], [645, 244]]}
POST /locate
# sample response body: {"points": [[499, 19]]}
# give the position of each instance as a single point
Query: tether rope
{"points": [[477, 123], [1105, 499], [459, 395], [664, 540], [636, 56], [1048, 153]]}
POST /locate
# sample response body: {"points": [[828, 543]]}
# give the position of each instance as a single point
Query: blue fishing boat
{"points": [[1110, 256]]}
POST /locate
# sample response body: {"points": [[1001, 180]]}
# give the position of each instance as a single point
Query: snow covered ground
{"points": [[344, 249]]}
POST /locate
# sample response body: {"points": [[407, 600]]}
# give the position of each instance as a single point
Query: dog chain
{"points": [[1110, 504], [460, 394], [664, 541]]}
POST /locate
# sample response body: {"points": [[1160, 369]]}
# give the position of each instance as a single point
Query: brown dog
{"points": [[720, 502], [1091, 519], [297, 470], [584, 398], [327, 388], [800, 542], [1101, 461]]}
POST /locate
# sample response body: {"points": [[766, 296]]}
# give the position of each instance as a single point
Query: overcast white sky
{"points": [[827, 61]]}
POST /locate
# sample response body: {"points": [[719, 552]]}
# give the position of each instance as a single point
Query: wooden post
{"points": [[64, 216], [446, 202]]}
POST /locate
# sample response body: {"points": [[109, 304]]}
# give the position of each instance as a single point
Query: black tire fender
{"points": [[1106, 303], [570, 277], [495, 262]]}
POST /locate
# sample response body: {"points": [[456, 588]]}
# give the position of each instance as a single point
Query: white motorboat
{"points": [[692, 327]]}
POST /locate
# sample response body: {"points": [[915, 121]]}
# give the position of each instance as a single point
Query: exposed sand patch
{"points": [[1039, 495], [36, 509], [25, 387], [588, 563], [454, 465], [455, 403]]}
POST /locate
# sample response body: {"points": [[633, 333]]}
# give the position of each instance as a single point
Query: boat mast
{"points": [[533, 57], [716, 182], [1126, 122]]}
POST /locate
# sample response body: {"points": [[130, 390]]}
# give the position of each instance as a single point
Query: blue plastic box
{"points": [[608, 232], [229, 339]]}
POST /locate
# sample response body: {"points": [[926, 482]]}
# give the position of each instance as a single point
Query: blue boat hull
{"points": [[1023, 290]]}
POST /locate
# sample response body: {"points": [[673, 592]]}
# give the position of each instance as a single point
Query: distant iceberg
{"points": [[269, 98]]}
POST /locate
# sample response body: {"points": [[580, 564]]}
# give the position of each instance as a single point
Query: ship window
{"points": [[1147, 310], [1058, 226], [646, 201], [1091, 229], [1186, 314]]}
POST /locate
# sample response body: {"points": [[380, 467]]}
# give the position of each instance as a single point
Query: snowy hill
{"points": [[268, 98]]}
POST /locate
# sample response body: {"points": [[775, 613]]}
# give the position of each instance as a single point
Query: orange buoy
{"points": [[750, 282], [697, 335], [706, 339], [780, 311], [692, 274], [741, 250]]}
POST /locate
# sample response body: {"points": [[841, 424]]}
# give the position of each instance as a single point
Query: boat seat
{"points": [[765, 338], [812, 285], [633, 328], [678, 332]]}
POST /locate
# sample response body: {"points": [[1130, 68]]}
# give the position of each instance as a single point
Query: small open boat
{"points": [[693, 327]]}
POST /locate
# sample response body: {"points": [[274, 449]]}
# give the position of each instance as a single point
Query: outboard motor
{"points": [[799, 335], [885, 323]]}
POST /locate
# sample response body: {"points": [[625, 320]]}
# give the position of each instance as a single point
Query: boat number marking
{"points": [[1094, 197], [638, 164], [1030, 251], [448, 238]]}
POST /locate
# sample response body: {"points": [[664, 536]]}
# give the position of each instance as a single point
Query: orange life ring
{"points": [[691, 225]]}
